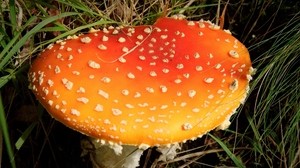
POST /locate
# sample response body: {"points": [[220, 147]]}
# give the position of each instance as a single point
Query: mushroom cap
{"points": [[145, 85]]}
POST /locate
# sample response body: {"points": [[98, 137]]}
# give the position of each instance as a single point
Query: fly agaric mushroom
{"points": [[149, 85]]}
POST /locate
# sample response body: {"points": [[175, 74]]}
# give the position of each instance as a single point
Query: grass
{"points": [[264, 133]]}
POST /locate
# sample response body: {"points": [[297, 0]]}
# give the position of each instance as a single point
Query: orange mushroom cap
{"points": [[145, 85]]}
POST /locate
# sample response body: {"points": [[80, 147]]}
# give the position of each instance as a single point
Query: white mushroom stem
{"points": [[112, 155], [133, 159], [168, 153]]}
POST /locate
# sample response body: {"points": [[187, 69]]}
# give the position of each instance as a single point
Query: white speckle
{"points": [[234, 85], [106, 80], [70, 57], [116, 112], [152, 63], [130, 75], [147, 30], [115, 31], [121, 39], [139, 68], [220, 91], [210, 55], [157, 131], [137, 95], [191, 23], [152, 119], [91, 76], [46, 91], [81, 90], [178, 93], [75, 112], [69, 49], [59, 56], [68, 84], [150, 90], [106, 121], [130, 106], [249, 77], [187, 126], [227, 31], [86, 40], [151, 51], [199, 68], [125, 92], [163, 89], [125, 49], [102, 47], [162, 107], [153, 73], [182, 34], [141, 57], [57, 69], [201, 24], [208, 80], [165, 70], [195, 110], [164, 37], [143, 104], [211, 96], [183, 104], [191, 93], [218, 66], [122, 59], [93, 64], [50, 46], [140, 37], [186, 75], [75, 72], [155, 57], [83, 100], [123, 122], [165, 60], [214, 27], [50, 83], [233, 54], [105, 30], [179, 66], [141, 49], [98, 108], [104, 38], [103, 94], [153, 40], [50, 102], [177, 81]]}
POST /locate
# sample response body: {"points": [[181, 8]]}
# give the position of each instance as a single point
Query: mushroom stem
{"points": [[110, 156]]}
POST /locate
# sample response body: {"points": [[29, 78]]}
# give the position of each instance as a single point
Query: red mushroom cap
{"points": [[154, 85]]}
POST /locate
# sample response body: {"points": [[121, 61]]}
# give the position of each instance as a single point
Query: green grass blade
{"points": [[5, 133], [16, 37], [236, 160], [13, 16], [25, 135], [34, 30], [4, 80]]}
